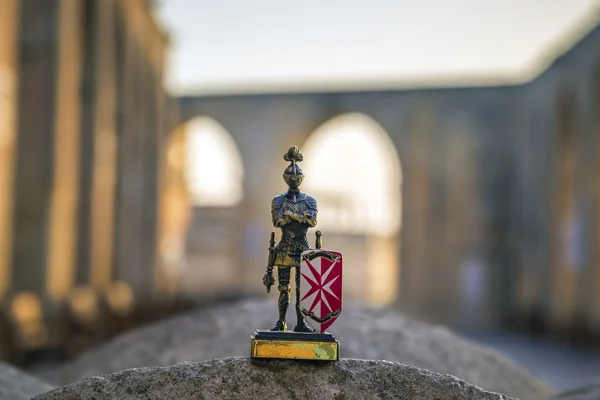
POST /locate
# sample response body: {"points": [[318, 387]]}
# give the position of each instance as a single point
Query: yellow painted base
{"points": [[295, 349]]}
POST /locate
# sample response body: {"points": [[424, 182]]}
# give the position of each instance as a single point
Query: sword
{"points": [[319, 240], [269, 279]]}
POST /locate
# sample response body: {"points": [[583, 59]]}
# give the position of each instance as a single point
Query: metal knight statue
{"points": [[294, 212], [318, 275]]}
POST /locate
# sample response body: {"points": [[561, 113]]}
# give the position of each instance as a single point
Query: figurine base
{"points": [[295, 346]]}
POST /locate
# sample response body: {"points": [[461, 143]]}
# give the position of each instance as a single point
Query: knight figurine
{"points": [[317, 272], [294, 212]]}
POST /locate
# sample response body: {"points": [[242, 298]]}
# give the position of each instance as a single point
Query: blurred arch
{"points": [[353, 168], [214, 169], [354, 171], [202, 192]]}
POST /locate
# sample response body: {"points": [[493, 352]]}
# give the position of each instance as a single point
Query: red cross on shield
{"points": [[321, 287]]}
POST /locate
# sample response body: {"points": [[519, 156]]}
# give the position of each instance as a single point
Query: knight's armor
{"points": [[293, 240], [294, 212]]}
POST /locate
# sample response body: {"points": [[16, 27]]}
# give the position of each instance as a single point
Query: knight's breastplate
{"points": [[293, 240]]}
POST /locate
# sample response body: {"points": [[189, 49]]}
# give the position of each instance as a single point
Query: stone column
{"points": [[64, 195], [104, 160], [414, 281], [130, 184], [563, 274], [90, 31], [433, 298], [8, 132], [463, 271], [36, 121], [152, 162], [150, 157]]}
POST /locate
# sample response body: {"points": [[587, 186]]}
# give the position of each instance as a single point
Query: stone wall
{"points": [[83, 119]]}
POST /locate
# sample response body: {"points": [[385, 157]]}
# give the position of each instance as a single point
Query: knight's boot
{"points": [[284, 301], [302, 326], [279, 326]]}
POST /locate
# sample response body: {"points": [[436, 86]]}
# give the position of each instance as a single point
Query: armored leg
{"points": [[283, 274], [301, 325]]}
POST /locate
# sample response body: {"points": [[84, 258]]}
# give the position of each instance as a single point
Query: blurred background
{"points": [[453, 146]]}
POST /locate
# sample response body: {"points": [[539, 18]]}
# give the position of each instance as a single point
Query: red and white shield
{"points": [[321, 287]]}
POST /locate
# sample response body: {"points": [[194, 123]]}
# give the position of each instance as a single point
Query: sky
{"points": [[224, 46]]}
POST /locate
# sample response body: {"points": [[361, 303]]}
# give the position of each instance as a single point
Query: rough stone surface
{"points": [[237, 378], [366, 333], [17, 385], [587, 392]]}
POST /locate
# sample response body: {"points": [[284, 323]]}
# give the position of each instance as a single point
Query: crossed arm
{"points": [[307, 217], [283, 216]]}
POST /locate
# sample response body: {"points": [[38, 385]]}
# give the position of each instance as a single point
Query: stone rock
{"points": [[587, 392], [17, 385], [364, 332], [238, 378]]}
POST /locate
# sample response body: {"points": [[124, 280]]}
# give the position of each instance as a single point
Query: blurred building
{"points": [[500, 201], [83, 115]]}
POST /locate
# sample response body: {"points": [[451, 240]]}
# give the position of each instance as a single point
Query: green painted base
{"points": [[294, 346]]}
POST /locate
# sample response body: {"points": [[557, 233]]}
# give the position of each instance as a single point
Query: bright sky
{"points": [[233, 45]]}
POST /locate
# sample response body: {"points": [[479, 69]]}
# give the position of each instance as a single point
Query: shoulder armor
{"points": [[277, 201], [311, 201]]}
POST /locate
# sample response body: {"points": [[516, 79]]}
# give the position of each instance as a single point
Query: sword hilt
{"points": [[319, 240], [272, 241]]}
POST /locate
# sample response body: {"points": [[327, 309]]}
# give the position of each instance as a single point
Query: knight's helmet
{"points": [[293, 174]]}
